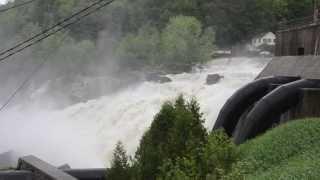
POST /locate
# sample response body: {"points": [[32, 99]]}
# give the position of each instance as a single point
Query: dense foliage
{"points": [[157, 34], [177, 146], [180, 45]]}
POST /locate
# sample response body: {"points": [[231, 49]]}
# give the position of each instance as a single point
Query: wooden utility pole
{"points": [[315, 21]]}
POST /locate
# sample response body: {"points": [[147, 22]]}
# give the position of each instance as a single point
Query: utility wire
{"points": [[16, 6], [24, 83], [13, 50], [52, 27], [28, 78]]}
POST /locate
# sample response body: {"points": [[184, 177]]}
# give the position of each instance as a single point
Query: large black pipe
{"points": [[244, 98], [260, 118]]}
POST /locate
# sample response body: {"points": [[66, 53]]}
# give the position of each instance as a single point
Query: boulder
{"points": [[164, 79], [158, 78], [64, 167], [213, 79]]}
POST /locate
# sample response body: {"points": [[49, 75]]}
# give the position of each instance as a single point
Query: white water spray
{"points": [[84, 134]]}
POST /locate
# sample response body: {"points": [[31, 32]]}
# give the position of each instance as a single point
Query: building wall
{"points": [[298, 41], [268, 38]]}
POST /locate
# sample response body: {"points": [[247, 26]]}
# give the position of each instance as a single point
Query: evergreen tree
{"points": [[120, 168], [176, 131]]}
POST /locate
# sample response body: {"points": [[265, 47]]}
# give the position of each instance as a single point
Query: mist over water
{"points": [[84, 134]]}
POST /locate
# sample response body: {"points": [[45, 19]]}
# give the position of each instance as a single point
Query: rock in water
{"points": [[156, 77], [165, 79], [213, 79], [64, 167]]}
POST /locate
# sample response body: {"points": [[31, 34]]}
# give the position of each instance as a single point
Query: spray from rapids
{"points": [[84, 135]]}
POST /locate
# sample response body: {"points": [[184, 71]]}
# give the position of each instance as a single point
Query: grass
{"points": [[291, 151]]}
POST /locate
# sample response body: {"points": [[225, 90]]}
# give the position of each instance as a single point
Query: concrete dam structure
{"points": [[287, 89], [33, 168]]}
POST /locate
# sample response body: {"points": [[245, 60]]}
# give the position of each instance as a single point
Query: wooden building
{"points": [[299, 37]]}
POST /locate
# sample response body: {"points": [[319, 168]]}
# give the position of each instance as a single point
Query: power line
{"points": [[16, 6], [11, 51], [52, 27], [28, 78], [24, 83]]}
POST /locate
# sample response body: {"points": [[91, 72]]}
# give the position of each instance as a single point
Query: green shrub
{"points": [[219, 155], [211, 161]]}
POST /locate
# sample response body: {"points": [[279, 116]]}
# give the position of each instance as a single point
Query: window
{"points": [[265, 40], [300, 51]]}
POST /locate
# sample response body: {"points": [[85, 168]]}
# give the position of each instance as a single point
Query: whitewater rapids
{"points": [[84, 135]]}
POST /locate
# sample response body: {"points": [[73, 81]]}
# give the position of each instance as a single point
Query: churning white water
{"points": [[84, 134]]}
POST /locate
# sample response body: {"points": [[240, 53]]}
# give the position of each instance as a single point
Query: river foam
{"points": [[83, 135]]}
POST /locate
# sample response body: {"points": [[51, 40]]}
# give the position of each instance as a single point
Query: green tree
{"points": [[176, 131], [120, 168], [212, 160], [180, 45], [141, 48], [184, 43]]}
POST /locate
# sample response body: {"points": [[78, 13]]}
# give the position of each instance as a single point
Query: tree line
{"points": [[148, 33]]}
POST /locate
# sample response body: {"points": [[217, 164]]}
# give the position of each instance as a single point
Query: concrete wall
{"points": [[307, 67], [16, 175], [33, 168], [42, 170]]}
